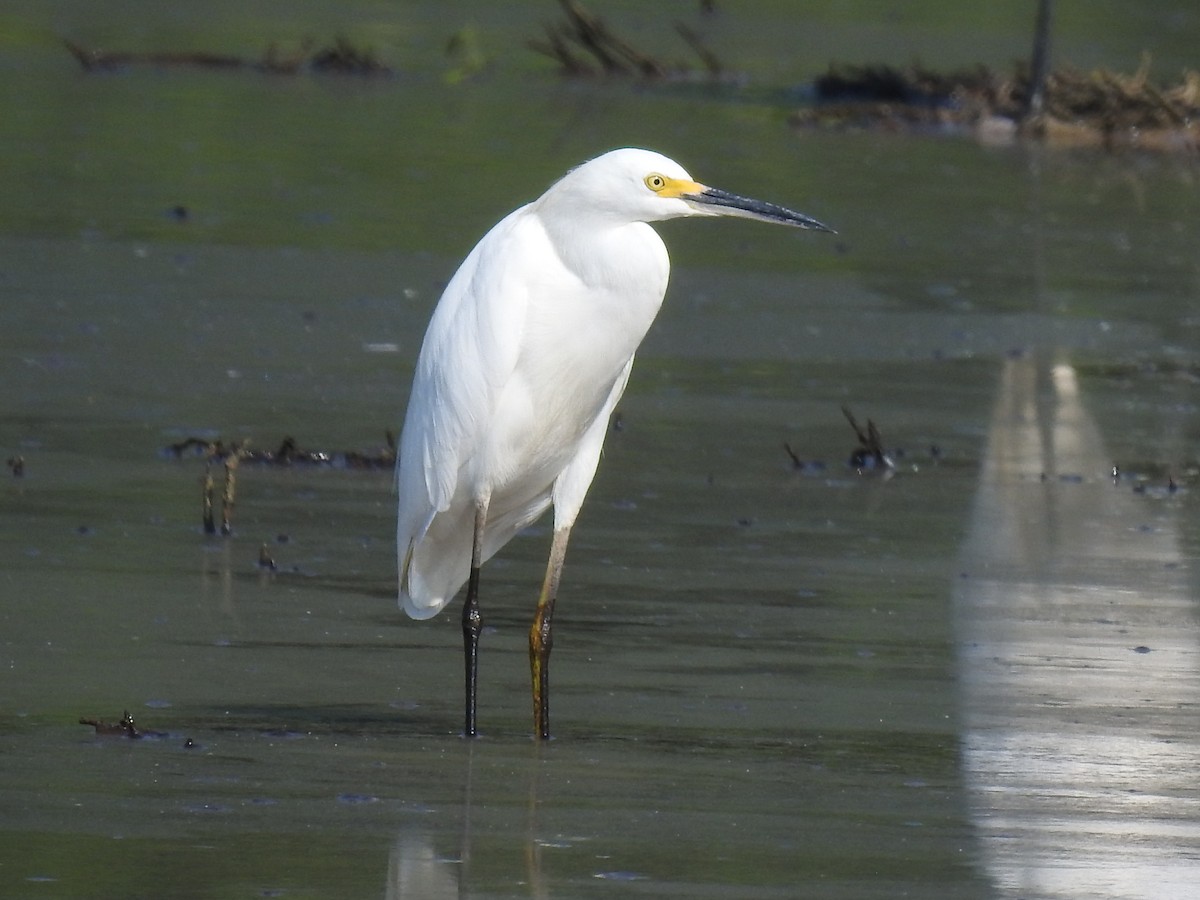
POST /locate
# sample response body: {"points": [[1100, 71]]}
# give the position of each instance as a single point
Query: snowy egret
{"points": [[526, 355]]}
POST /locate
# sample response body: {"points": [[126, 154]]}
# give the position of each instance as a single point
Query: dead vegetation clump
{"points": [[340, 57], [584, 45], [1073, 108], [1098, 108], [1116, 110], [229, 456]]}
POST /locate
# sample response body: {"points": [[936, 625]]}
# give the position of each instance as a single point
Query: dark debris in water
{"points": [[1074, 108], [804, 466], [585, 46], [124, 728], [1157, 479], [339, 57], [16, 465], [869, 455], [286, 454], [1099, 108], [231, 455], [265, 560], [342, 57]]}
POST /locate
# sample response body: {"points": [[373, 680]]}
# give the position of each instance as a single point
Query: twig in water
{"points": [[869, 454], [227, 494]]}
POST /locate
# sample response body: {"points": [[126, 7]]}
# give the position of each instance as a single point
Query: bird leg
{"points": [[541, 635], [472, 621]]}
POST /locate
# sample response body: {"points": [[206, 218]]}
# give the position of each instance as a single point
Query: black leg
{"points": [[472, 625], [472, 622]]}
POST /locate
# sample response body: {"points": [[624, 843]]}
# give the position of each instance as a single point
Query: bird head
{"points": [[633, 185]]}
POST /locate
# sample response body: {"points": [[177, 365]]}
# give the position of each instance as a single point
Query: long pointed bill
{"points": [[716, 202]]}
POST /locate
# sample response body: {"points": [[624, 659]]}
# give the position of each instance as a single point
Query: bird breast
{"points": [[590, 303]]}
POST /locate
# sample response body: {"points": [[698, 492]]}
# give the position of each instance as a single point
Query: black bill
{"points": [[722, 203]]}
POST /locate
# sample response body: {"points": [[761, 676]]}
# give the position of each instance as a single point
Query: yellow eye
{"points": [[655, 182]]}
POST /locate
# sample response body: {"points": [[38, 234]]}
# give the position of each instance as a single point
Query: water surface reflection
{"points": [[417, 872], [1079, 665]]}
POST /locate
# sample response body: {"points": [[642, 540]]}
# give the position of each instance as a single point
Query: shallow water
{"points": [[977, 678]]}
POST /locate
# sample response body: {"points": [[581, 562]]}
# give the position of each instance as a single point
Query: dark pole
{"points": [[1039, 67]]}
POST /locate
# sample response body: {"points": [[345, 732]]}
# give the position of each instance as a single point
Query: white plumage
{"points": [[526, 355]]}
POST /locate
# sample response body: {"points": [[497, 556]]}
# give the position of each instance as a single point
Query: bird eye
{"points": [[656, 182]]}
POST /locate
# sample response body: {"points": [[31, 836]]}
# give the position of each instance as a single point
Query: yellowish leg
{"points": [[541, 635]]}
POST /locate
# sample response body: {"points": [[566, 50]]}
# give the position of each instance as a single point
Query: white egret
{"points": [[526, 355]]}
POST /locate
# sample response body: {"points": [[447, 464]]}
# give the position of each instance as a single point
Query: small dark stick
{"points": [[227, 494], [265, 560], [710, 60], [870, 446], [1040, 64], [125, 727], [206, 500]]}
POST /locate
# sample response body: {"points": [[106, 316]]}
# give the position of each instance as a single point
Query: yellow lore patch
{"points": [[671, 188]]}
